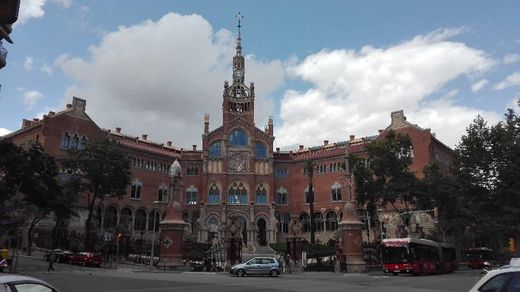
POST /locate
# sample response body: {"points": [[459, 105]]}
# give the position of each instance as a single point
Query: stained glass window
{"points": [[214, 150], [238, 138], [261, 151]]}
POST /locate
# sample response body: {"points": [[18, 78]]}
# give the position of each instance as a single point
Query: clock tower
{"points": [[238, 99]]}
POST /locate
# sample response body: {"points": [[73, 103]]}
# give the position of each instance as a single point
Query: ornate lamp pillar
{"points": [[351, 234], [172, 227]]}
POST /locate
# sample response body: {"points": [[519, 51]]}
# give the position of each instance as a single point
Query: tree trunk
{"points": [[89, 245], [35, 220]]}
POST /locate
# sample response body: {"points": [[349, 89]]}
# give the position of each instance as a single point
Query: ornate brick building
{"points": [[236, 174]]}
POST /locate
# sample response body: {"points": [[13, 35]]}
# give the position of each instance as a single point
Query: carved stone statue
{"points": [[295, 227]]}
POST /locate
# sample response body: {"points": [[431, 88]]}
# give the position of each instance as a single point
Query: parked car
{"points": [[11, 282], [504, 279], [257, 266], [86, 259], [61, 256]]}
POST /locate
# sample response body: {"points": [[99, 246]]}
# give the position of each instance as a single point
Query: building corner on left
{"points": [[8, 15]]}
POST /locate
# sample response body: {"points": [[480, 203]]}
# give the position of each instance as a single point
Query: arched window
{"points": [[83, 143], [110, 220], [214, 149], [260, 150], [65, 141], [162, 193], [318, 222], [126, 219], [308, 196], [140, 219], [135, 189], [237, 194], [191, 195], [281, 196], [214, 194], [194, 222], [336, 192], [75, 142], [153, 221], [332, 221], [283, 222], [305, 219], [238, 138], [261, 195]]}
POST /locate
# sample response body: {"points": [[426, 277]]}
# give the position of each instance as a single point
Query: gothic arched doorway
{"points": [[262, 232]]}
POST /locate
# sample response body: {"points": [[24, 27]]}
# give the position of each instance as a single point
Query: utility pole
{"points": [[310, 199]]}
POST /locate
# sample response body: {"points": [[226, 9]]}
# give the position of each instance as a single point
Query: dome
{"points": [[175, 169]]}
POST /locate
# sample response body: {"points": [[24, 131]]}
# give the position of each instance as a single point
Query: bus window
{"points": [[395, 254]]}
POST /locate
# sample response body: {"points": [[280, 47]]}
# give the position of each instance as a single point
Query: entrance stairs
{"points": [[250, 252]]}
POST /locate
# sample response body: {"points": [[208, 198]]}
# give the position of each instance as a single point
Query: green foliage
{"points": [[279, 247], [195, 251], [319, 250], [103, 169], [383, 176]]}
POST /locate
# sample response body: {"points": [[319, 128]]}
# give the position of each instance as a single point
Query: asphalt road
{"points": [[137, 278]]}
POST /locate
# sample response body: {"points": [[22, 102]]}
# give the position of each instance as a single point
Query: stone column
{"points": [[352, 238]]}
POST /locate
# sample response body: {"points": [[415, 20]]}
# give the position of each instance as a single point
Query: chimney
{"points": [[169, 143], [325, 142], [145, 137], [301, 147], [26, 123], [36, 120], [270, 126], [352, 137], [380, 131], [277, 149], [206, 123], [51, 113], [194, 147], [118, 130]]}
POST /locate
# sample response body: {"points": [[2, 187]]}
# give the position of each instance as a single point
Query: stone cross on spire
{"points": [[239, 17]]}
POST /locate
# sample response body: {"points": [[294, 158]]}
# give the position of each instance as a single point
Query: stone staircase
{"points": [[257, 251]]}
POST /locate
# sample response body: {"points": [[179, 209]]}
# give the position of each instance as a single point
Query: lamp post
{"points": [[153, 236]]}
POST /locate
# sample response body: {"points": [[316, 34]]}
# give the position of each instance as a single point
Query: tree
{"points": [[104, 170], [42, 190], [64, 206], [441, 192], [382, 175], [309, 170]]}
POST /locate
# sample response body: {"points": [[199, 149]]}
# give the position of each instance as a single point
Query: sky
{"points": [[323, 70]]}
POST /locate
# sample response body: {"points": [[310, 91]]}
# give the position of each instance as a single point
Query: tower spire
{"points": [[239, 18]]}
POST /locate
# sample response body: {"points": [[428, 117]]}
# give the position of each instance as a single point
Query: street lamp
{"points": [[153, 236]]}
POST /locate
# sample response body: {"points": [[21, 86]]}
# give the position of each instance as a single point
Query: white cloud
{"points": [[28, 63], [479, 85], [510, 81], [47, 69], [31, 97], [34, 9], [511, 58], [160, 77], [353, 92], [4, 131]]}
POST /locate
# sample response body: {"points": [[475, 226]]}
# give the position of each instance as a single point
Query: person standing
{"points": [[287, 263], [51, 259]]}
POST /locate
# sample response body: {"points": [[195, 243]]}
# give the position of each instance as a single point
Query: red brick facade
{"points": [[237, 173]]}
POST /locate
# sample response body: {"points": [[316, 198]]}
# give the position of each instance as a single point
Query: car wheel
{"points": [[241, 273], [273, 273]]}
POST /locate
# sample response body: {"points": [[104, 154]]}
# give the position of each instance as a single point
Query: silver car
{"points": [[10, 282], [257, 266]]}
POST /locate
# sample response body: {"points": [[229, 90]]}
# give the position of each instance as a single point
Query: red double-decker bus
{"points": [[417, 256]]}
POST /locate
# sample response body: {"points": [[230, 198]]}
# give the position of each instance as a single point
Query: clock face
{"points": [[239, 73]]}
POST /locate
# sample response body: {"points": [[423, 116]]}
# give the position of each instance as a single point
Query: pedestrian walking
{"points": [[51, 260], [287, 263]]}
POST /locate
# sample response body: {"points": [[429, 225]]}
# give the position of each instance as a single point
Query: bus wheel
{"points": [[394, 273]]}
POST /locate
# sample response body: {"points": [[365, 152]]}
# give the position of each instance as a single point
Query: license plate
{"points": [[397, 271]]}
